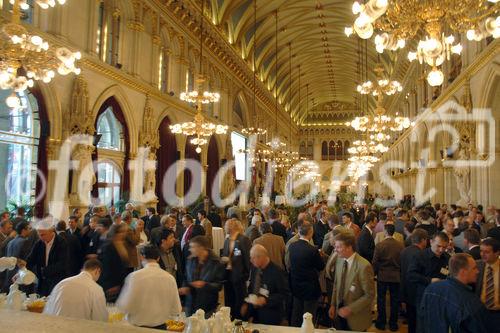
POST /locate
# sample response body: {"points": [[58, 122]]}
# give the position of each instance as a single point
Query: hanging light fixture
{"points": [[200, 127], [380, 123], [276, 143], [25, 58], [255, 129], [436, 20]]}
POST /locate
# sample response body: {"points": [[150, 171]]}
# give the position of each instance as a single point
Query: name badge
{"points": [[444, 271], [264, 292], [237, 252]]}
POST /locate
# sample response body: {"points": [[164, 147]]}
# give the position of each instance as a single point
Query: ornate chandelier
{"points": [[380, 123], [367, 147], [306, 169], [200, 127], [437, 20], [25, 58]]}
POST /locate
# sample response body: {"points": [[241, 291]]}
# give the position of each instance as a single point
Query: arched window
{"points": [[111, 131], [108, 33], [163, 67], [346, 147], [339, 151], [108, 182], [19, 143], [331, 150], [302, 149], [310, 150], [324, 151]]}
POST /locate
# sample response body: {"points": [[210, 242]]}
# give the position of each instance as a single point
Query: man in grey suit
{"points": [[353, 288], [488, 279]]}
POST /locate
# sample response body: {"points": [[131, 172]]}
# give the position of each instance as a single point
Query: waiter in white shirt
{"points": [[79, 296], [150, 296]]}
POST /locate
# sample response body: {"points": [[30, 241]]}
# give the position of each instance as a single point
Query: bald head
{"points": [[259, 256]]}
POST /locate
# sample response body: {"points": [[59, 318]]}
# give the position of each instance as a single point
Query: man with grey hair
{"points": [[451, 305], [252, 231], [305, 265], [267, 289]]}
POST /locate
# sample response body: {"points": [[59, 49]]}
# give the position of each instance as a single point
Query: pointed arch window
{"points": [[331, 150], [108, 182], [163, 68], [111, 131], [324, 151]]}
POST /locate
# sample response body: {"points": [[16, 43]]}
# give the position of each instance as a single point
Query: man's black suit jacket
{"points": [[366, 244], [57, 268]]}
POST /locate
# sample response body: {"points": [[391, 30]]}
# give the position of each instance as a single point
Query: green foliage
{"points": [[13, 205]]}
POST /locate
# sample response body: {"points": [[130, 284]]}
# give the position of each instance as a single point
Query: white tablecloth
{"points": [[218, 239]]}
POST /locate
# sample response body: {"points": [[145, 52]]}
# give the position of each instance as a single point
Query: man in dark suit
{"points": [[278, 228], [488, 280], [191, 230], [236, 254], [268, 289], [418, 239], [471, 241], [365, 242], [305, 265], [151, 219], [73, 228], [430, 266], [48, 259], [171, 255], [75, 253], [321, 228], [386, 266]]}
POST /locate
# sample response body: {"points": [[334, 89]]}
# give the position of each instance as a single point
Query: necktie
{"points": [[258, 281], [342, 283], [490, 289]]}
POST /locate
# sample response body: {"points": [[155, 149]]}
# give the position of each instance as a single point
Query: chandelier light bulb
{"points": [[457, 49], [356, 8], [348, 31], [198, 150], [401, 43], [435, 77], [13, 101]]}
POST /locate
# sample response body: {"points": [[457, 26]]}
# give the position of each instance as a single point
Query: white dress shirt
{"points": [[149, 296], [78, 297], [48, 247]]}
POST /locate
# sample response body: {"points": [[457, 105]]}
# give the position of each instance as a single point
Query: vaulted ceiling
{"points": [[310, 34]]}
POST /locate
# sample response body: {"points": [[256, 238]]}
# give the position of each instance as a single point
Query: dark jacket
{"points": [[320, 230], [215, 219], [75, 253], [57, 268], [114, 270], [240, 258], [494, 233], [206, 298], [475, 252], [387, 261], [451, 304], [408, 255], [197, 230], [423, 269], [365, 244], [279, 229], [305, 265], [151, 222], [76, 233], [19, 248], [274, 287]]}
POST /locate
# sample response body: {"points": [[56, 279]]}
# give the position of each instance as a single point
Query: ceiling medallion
{"points": [[401, 21]]}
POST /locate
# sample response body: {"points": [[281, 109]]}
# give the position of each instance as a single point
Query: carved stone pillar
{"points": [[137, 27]]}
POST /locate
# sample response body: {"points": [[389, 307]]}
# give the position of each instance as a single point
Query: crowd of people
{"points": [[439, 264]]}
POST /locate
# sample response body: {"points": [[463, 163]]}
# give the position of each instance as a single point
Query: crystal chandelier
{"points": [[367, 147], [199, 127], [436, 20], [254, 130], [306, 169], [380, 123], [26, 58]]}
